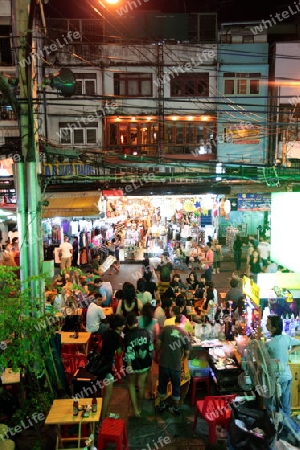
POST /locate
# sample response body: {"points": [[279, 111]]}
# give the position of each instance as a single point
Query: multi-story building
{"points": [[150, 103], [285, 101], [242, 95]]}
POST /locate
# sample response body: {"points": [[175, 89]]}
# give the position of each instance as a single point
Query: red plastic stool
{"points": [[195, 381], [113, 430]]}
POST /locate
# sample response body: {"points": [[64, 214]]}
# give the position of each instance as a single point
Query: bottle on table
{"points": [[94, 403], [75, 407]]}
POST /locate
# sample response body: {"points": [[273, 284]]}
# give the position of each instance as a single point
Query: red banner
{"points": [[113, 193]]}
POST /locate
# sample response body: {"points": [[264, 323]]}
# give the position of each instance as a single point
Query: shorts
{"points": [[164, 376]]}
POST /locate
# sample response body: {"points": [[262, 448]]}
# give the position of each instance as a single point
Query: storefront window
{"points": [[144, 134], [169, 133], [153, 134], [113, 137], [200, 134], [189, 136], [133, 134], [179, 133], [123, 135]]}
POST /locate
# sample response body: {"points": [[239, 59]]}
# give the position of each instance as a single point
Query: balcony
{"points": [[176, 152], [6, 113]]}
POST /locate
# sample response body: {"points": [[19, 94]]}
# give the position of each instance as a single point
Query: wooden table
{"points": [[108, 310], [61, 413], [83, 338], [77, 312], [10, 377]]}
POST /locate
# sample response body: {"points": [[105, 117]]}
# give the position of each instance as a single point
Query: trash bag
{"points": [[250, 429]]}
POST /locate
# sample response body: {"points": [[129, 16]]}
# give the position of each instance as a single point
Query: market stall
{"points": [[148, 226], [279, 294]]}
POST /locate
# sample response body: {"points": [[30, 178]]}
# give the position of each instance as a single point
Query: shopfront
{"points": [[148, 226], [245, 214]]}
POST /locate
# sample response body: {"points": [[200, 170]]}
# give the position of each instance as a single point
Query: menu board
{"points": [[254, 202]]}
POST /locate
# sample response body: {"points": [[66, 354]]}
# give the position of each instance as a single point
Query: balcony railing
{"points": [[6, 113], [181, 151]]}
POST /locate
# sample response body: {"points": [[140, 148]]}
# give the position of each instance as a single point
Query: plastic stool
{"points": [[195, 381], [113, 430]]}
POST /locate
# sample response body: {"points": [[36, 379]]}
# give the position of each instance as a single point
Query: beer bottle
{"points": [[94, 403], [75, 407]]}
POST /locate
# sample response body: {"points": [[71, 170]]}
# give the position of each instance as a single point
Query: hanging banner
{"points": [[254, 202]]}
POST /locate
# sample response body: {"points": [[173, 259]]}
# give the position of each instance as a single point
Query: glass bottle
{"points": [[94, 403], [75, 407]]}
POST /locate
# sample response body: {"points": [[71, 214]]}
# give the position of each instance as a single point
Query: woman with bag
{"points": [[112, 344]]}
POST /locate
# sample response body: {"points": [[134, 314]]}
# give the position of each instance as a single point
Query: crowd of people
{"points": [[143, 314], [158, 313]]}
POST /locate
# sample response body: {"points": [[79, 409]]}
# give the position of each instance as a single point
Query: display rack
{"points": [[231, 233], [129, 250]]}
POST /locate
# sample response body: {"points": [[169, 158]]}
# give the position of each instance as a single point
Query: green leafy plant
{"points": [[25, 334], [24, 330]]}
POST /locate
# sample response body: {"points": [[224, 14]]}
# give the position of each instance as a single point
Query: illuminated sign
{"points": [[254, 202], [70, 169], [243, 135], [251, 289]]}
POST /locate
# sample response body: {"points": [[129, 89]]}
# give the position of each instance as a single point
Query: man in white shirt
{"points": [[105, 289], [264, 249], [66, 252], [95, 316]]}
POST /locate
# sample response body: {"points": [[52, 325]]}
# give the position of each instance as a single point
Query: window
{"points": [[248, 39], [133, 84], [85, 83], [69, 134], [226, 38], [176, 133], [190, 85], [241, 83]]}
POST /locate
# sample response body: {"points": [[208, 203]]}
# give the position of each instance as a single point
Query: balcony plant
{"points": [[26, 344]]}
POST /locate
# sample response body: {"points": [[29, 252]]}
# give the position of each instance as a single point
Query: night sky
{"points": [[228, 10]]}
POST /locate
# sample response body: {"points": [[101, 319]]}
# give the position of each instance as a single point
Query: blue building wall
{"points": [[247, 113]]}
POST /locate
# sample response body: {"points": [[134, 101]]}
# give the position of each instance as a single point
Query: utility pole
{"points": [[26, 171]]}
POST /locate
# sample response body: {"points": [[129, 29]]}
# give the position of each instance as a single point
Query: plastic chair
{"points": [[70, 349], [113, 430], [214, 410], [95, 343], [195, 382]]}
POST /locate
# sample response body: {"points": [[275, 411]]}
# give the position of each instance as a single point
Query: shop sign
{"points": [[237, 134], [254, 202], [71, 169], [251, 289]]}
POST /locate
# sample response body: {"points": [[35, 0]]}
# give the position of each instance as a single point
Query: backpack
{"points": [[165, 272]]}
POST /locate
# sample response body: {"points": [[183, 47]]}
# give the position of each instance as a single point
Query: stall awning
{"points": [[73, 204]]}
